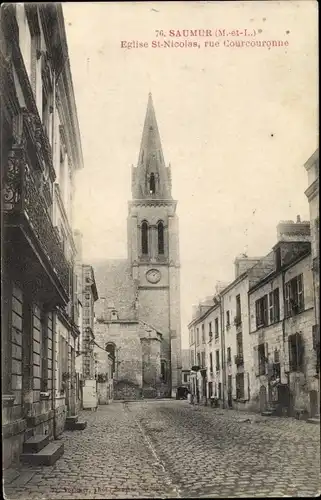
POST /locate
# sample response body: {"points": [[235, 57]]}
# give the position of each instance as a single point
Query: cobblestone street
{"points": [[169, 449]]}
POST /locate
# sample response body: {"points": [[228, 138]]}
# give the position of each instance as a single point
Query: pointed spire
{"points": [[150, 179]]}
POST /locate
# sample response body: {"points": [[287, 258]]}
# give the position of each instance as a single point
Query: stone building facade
{"points": [[265, 357], [40, 154], [142, 293], [199, 335], [312, 193]]}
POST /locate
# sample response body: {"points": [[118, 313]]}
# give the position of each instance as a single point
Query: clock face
{"points": [[153, 275]]}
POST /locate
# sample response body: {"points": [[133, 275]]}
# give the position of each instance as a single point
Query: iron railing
{"points": [[24, 195]]}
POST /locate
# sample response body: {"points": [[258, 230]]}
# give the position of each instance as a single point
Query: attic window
{"points": [[152, 184]]}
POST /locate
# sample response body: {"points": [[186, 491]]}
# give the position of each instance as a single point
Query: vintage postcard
{"points": [[160, 241]]}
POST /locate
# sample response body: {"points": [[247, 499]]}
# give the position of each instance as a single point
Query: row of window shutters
{"points": [[266, 363]]}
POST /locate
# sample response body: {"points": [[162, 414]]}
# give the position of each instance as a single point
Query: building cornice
{"points": [[151, 287], [152, 203], [312, 160], [313, 190]]}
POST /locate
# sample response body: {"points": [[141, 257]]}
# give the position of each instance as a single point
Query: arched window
{"points": [[111, 349], [152, 185], [160, 232], [144, 238]]}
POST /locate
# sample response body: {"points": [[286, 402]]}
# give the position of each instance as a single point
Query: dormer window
{"points": [[152, 186]]}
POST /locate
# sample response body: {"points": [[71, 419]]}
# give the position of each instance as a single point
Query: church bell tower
{"points": [[153, 249]]}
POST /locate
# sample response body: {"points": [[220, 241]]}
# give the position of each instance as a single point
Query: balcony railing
{"points": [[239, 359], [24, 203]]}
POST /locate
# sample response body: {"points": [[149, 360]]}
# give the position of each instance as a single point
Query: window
{"points": [[203, 334], [203, 360], [219, 390], [228, 319], [63, 361], [46, 110], [192, 358], [210, 389], [261, 310], [144, 238], [197, 337], [274, 306], [238, 310], [210, 333], [152, 186], [296, 352], [261, 359], [62, 172], [211, 362], [216, 328], [239, 344], [63, 238], [239, 380], [44, 352], [229, 357], [185, 378], [294, 298], [276, 364], [198, 359], [217, 360], [160, 233]]}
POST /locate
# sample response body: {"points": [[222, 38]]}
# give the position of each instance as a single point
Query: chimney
{"points": [[220, 286], [293, 231], [242, 263], [194, 311]]}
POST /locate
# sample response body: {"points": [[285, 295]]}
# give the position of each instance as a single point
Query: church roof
{"points": [[151, 161]]}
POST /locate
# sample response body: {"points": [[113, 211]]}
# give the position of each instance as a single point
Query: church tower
{"points": [[153, 249]]}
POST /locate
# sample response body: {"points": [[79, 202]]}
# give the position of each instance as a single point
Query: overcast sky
{"points": [[237, 125]]}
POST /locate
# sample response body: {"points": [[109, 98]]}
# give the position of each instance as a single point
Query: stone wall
{"points": [[128, 360], [275, 337], [151, 367]]}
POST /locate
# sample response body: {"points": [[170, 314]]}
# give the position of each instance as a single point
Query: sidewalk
{"points": [[248, 417]]}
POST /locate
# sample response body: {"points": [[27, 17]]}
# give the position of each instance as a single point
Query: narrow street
{"points": [[169, 449]]}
